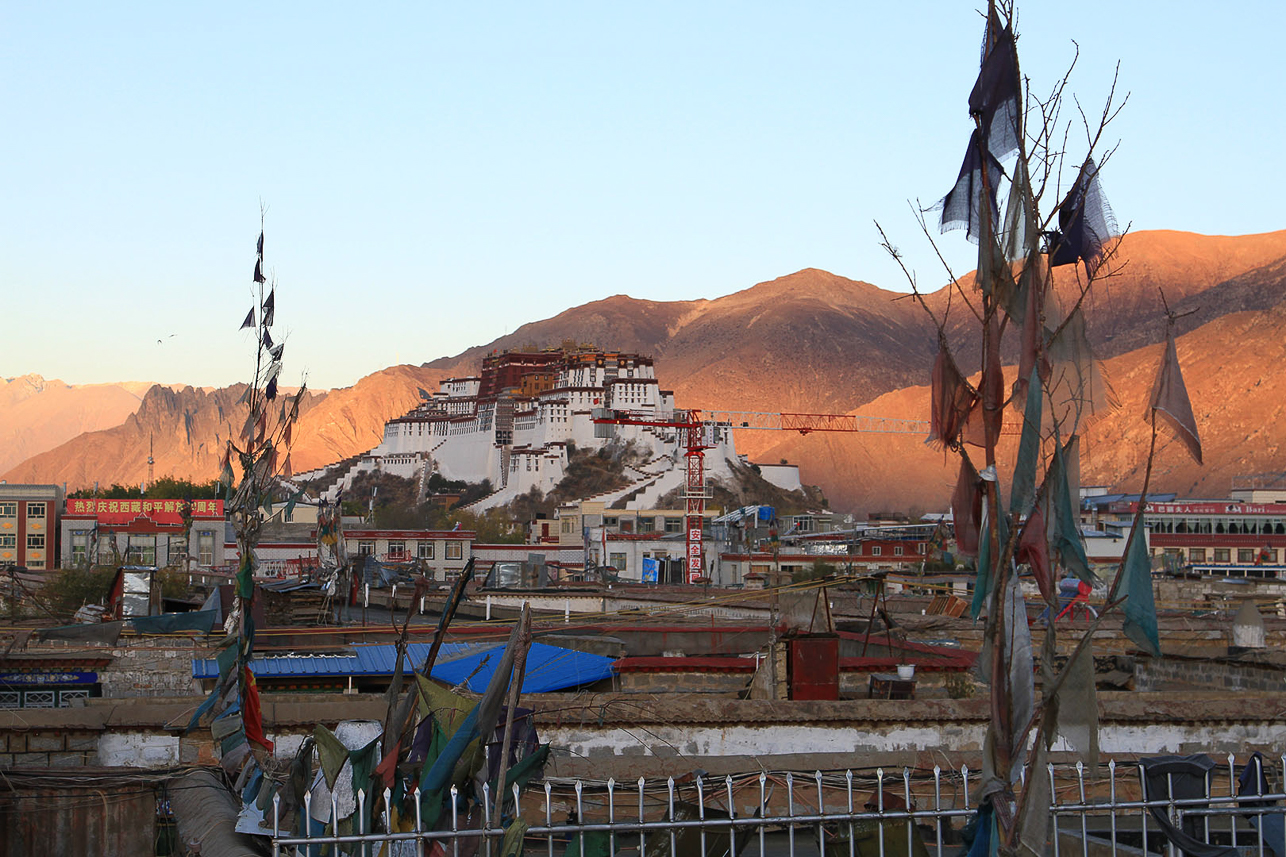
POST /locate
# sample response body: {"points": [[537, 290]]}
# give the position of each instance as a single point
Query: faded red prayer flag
{"points": [[253, 713]]}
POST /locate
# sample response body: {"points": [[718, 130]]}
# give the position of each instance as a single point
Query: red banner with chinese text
{"points": [[158, 510]]}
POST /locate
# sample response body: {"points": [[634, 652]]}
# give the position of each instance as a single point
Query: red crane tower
{"points": [[698, 431]]}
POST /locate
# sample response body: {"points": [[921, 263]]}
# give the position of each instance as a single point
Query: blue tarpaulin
{"points": [[365, 661], [548, 667]]}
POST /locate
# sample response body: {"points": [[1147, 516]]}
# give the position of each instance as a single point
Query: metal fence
{"points": [[1112, 810]]}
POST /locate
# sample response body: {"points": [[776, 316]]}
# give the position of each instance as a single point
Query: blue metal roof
{"points": [[548, 667]]}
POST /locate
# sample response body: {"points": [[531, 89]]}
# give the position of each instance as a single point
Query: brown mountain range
{"points": [[817, 342], [36, 414], [187, 429], [1238, 400]]}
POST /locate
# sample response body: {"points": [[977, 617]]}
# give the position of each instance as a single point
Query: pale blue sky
{"points": [[438, 174]]}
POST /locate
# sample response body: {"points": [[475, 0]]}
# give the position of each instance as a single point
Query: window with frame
{"points": [[674, 525], [1197, 554], [455, 550], [205, 547], [1221, 554], [424, 550], [566, 526], [8, 540], [35, 541], [142, 550], [8, 510], [366, 548], [35, 510], [617, 561], [1245, 555], [876, 550], [898, 550], [79, 546], [396, 550]]}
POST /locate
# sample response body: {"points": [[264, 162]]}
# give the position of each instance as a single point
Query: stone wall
{"points": [[152, 667], [1151, 674]]}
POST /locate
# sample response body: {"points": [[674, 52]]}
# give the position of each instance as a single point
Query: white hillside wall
{"points": [[471, 457], [782, 475]]}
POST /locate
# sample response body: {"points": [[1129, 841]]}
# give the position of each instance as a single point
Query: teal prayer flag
{"points": [[1140, 606]]}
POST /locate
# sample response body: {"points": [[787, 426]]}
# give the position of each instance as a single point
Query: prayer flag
{"points": [[1170, 400], [1140, 606]]}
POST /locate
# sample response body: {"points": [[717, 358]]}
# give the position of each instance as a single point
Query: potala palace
{"points": [[514, 423]]}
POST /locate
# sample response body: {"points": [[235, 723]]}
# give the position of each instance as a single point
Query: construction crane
{"points": [[697, 429]]}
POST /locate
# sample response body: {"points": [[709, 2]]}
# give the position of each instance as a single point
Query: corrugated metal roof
{"points": [[365, 661]]}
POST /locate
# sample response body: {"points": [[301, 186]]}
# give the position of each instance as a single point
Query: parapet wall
{"points": [[628, 735]]}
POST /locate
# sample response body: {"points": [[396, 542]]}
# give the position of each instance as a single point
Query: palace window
{"points": [[35, 510], [8, 510]]}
